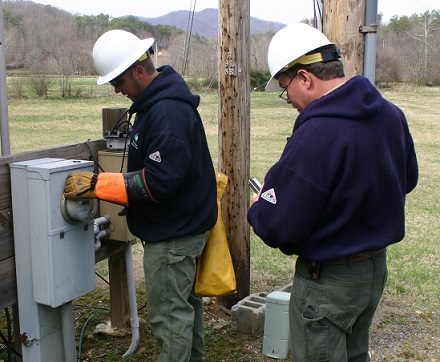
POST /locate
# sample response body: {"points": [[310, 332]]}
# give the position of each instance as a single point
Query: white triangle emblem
{"points": [[270, 196], [155, 156]]}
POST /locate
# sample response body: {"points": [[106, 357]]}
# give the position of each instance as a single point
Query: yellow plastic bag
{"points": [[215, 273]]}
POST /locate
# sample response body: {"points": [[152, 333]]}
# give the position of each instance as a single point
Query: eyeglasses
{"points": [[117, 82], [286, 97]]}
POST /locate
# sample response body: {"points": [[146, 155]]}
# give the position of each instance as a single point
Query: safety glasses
{"points": [[117, 82], [286, 95]]}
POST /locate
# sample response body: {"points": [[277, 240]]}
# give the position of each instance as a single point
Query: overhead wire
{"points": [[317, 17], [189, 27]]}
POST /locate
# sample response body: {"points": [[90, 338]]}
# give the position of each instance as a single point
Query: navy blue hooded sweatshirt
{"points": [[168, 141], [339, 187]]}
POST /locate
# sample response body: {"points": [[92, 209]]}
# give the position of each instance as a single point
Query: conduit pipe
{"points": [[370, 31], [66, 309], [100, 233], [68, 332], [134, 320]]}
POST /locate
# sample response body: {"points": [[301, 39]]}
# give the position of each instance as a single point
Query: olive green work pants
{"points": [[174, 311], [330, 317]]}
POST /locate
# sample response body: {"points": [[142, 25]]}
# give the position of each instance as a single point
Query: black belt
{"points": [[353, 258], [314, 271]]}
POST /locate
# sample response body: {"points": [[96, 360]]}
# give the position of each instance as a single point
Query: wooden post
{"points": [[341, 22], [110, 116], [119, 305], [16, 323], [234, 134]]}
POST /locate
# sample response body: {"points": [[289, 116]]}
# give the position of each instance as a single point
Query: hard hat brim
{"points": [[273, 85], [144, 45]]}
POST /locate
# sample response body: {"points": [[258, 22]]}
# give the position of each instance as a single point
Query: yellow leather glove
{"points": [[81, 185], [106, 186]]}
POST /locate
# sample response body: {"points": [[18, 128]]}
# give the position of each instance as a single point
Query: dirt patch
{"points": [[399, 333], [402, 333]]}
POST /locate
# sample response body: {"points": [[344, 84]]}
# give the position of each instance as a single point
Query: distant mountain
{"points": [[205, 22]]}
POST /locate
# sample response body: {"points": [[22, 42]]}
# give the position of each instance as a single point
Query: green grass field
{"points": [[413, 263]]}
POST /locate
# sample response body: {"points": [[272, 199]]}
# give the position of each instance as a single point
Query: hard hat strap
{"points": [[324, 54], [330, 53], [143, 57]]}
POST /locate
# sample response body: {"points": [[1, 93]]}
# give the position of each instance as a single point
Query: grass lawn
{"points": [[412, 296]]}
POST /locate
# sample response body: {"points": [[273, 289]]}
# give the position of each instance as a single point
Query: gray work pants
{"points": [[330, 317], [174, 311]]}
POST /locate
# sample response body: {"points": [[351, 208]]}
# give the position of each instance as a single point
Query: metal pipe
{"points": [[102, 220], [100, 233], [68, 332], [4, 120], [132, 300], [370, 30]]}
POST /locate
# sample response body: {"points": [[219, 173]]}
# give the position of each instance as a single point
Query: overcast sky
{"points": [[282, 11]]}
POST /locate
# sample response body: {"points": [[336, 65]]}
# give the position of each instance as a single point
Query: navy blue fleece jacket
{"points": [[339, 187], [168, 141]]}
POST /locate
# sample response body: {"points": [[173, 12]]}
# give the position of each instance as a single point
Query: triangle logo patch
{"points": [[155, 156], [270, 196]]}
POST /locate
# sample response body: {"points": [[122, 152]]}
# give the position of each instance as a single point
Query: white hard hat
{"points": [[290, 45], [115, 51]]}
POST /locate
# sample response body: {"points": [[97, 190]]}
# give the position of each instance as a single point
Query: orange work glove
{"points": [[105, 186]]}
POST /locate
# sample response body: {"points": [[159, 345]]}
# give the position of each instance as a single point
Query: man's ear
{"points": [[138, 71], [304, 77]]}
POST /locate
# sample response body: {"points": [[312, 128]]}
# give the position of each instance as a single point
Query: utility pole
{"points": [[4, 120], [342, 20], [234, 135]]}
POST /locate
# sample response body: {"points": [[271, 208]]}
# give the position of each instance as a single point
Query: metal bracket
{"points": [[368, 28], [26, 339]]}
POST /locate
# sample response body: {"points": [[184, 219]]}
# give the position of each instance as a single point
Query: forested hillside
{"points": [[41, 38]]}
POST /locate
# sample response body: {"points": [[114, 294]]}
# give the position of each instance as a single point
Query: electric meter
{"points": [[78, 210]]}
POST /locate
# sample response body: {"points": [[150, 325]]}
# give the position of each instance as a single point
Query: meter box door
{"points": [[111, 161], [62, 252]]}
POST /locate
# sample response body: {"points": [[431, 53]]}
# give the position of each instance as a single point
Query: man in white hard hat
{"points": [[336, 197], [169, 190]]}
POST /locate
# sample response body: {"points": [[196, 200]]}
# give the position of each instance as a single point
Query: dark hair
{"points": [[321, 70]]}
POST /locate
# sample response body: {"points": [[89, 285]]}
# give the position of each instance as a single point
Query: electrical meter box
{"points": [[59, 251], [111, 161], [276, 340]]}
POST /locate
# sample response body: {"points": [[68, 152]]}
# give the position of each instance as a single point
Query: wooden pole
{"points": [[4, 119], [341, 22], [110, 115], [234, 134], [119, 304]]}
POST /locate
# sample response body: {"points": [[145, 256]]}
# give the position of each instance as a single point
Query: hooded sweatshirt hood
{"points": [[355, 100], [167, 85]]}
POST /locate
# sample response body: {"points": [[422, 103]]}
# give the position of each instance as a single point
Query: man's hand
{"points": [[80, 185], [256, 196]]}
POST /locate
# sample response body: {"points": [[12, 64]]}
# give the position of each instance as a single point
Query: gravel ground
{"points": [[398, 334]]}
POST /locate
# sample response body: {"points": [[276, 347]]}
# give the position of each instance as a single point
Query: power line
{"points": [[188, 37]]}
